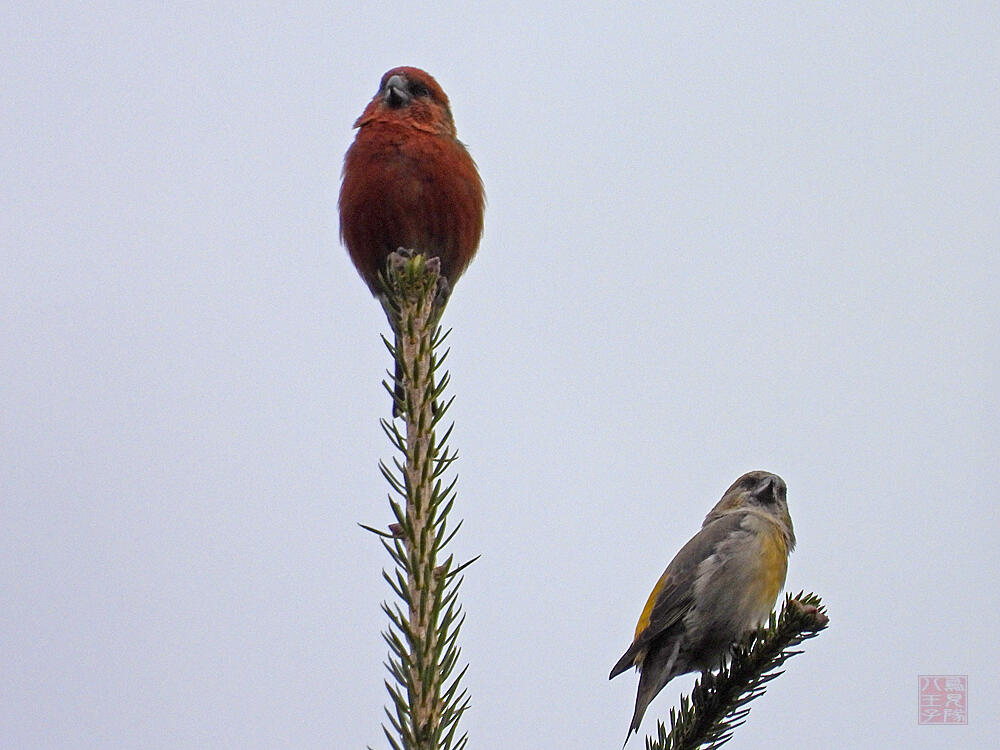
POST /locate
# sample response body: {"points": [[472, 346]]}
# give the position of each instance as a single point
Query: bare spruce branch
{"points": [[423, 627]]}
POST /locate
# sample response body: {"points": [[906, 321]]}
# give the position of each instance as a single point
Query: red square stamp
{"points": [[943, 699]]}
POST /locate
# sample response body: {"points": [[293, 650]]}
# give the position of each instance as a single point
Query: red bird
{"points": [[409, 182]]}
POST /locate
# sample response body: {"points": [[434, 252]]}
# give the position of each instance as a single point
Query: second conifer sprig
{"points": [[719, 701]]}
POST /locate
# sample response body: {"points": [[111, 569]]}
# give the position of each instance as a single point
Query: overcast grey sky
{"points": [[734, 237]]}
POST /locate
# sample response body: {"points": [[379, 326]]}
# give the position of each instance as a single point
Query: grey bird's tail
{"points": [[656, 671]]}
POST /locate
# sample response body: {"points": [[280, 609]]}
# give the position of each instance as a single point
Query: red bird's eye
{"points": [[418, 89]]}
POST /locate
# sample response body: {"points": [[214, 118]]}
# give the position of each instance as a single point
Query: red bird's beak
{"points": [[395, 92]]}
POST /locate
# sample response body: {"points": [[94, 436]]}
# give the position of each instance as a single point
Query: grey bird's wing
{"points": [[675, 590], [659, 644]]}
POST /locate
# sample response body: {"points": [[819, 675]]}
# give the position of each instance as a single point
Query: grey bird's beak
{"points": [[767, 485]]}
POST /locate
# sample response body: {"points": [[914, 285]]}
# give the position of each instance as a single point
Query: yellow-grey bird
{"points": [[722, 584]]}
